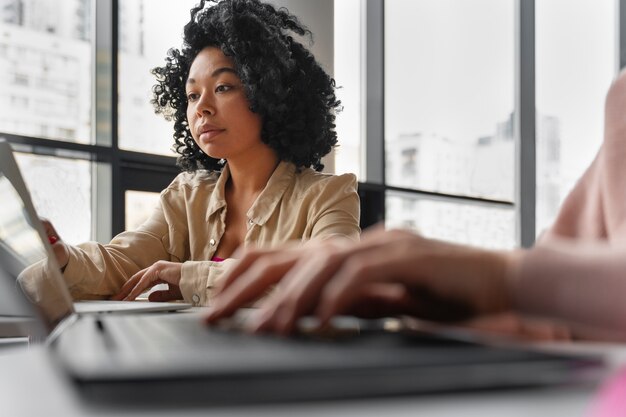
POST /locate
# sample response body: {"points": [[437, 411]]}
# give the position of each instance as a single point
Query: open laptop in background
{"points": [[23, 245]]}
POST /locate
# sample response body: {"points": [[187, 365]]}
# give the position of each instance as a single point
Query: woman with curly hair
{"points": [[253, 115]]}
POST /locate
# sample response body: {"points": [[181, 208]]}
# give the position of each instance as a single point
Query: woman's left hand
{"points": [[161, 272]]}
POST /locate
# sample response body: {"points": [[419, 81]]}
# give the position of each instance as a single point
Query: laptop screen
{"points": [[25, 258], [20, 244]]}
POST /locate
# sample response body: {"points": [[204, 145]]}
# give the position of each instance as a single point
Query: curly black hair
{"points": [[283, 82]]}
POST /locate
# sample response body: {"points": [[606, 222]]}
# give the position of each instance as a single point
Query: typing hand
{"points": [[61, 252], [401, 271], [255, 273], [161, 272], [260, 269]]}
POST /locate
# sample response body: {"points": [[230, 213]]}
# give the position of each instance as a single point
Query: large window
{"points": [[45, 69], [435, 122], [470, 223], [139, 206], [449, 101], [576, 61], [459, 82], [147, 29], [46, 79], [349, 66], [60, 76]]}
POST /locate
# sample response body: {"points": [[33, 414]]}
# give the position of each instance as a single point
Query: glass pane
{"points": [[575, 66], [147, 30], [61, 192], [478, 225], [139, 206], [46, 69], [348, 75], [449, 96]]}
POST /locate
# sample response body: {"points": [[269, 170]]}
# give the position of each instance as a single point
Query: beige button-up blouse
{"points": [[189, 222]]}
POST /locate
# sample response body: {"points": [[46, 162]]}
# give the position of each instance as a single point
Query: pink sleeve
{"points": [[596, 207], [582, 214], [613, 172]]}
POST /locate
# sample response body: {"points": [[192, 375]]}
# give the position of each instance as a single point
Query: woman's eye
{"points": [[192, 97], [222, 88]]}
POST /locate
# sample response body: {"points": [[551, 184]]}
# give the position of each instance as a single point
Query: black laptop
{"points": [[172, 358]]}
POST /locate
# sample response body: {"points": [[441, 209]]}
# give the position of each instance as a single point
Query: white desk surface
{"points": [[31, 386]]}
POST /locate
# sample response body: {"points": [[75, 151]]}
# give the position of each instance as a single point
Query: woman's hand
{"points": [[59, 247], [257, 271], [161, 272], [388, 272]]}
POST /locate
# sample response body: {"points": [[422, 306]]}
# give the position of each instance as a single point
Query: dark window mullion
{"points": [[59, 148], [453, 198], [118, 204], [374, 93], [525, 123]]}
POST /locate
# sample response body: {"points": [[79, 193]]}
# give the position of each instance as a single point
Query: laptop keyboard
{"points": [[148, 335]]}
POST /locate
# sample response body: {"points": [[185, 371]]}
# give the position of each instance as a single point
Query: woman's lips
{"points": [[207, 135]]}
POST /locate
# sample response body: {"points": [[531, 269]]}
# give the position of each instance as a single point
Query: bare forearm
{"points": [[582, 284]]}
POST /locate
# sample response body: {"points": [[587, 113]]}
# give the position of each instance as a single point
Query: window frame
{"points": [[128, 170], [115, 170], [524, 110]]}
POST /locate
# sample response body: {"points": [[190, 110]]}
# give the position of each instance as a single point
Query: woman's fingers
{"points": [[298, 293], [340, 273], [148, 280], [335, 298], [251, 284], [449, 282], [59, 248], [387, 263], [48, 227], [268, 267], [128, 286], [161, 272], [401, 271], [247, 259], [382, 300]]}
